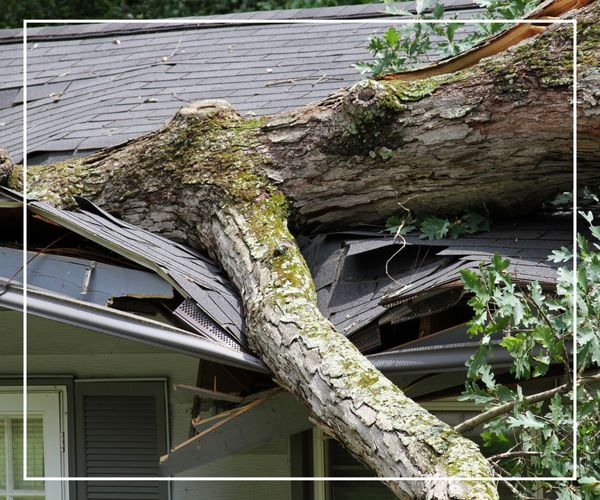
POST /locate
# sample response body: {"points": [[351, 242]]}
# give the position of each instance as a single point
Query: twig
{"points": [[549, 325], [514, 454], [291, 81], [402, 246], [280, 82], [320, 79], [591, 379], [179, 98], [484, 417], [499, 471], [167, 58]]}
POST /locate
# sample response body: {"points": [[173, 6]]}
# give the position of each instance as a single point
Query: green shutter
{"points": [[120, 432], [2, 454]]}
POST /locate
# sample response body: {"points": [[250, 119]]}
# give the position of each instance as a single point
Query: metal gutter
{"points": [[437, 358], [450, 357], [125, 325]]}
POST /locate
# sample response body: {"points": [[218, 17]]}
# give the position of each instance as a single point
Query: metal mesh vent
{"points": [[193, 316], [366, 338], [433, 305]]}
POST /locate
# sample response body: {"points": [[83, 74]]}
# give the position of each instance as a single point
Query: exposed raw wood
{"points": [[208, 394], [497, 133], [548, 10], [274, 415]]}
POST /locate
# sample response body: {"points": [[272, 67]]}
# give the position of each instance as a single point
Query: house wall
{"points": [[59, 349]]}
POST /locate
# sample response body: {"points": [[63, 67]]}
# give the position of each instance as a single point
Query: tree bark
{"points": [[497, 134]]}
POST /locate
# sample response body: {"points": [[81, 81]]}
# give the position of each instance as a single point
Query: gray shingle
{"points": [[352, 297], [99, 78]]}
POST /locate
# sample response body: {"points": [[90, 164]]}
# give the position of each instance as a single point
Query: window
{"points": [[46, 455]]}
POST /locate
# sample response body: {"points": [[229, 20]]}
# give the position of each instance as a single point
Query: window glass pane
{"points": [[3, 453], [35, 453]]}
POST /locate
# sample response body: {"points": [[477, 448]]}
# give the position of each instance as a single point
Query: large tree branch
{"points": [[486, 135]]}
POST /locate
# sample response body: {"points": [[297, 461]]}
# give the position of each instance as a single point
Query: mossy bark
{"points": [[498, 134]]}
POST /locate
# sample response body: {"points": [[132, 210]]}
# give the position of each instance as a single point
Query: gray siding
{"points": [[58, 349]]}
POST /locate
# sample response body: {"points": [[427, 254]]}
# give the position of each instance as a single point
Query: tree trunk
{"points": [[497, 134]]}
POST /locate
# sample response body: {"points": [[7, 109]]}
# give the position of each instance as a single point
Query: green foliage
{"points": [[586, 197], [403, 47], [432, 227], [536, 328], [563, 199], [14, 11]]}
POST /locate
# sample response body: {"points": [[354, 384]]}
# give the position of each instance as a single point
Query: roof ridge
{"points": [[82, 30]]}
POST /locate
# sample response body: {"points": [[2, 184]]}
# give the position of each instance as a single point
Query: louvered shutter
{"points": [[120, 432]]}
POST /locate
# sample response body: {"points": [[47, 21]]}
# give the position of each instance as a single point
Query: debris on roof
{"points": [[407, 310], [216, 307], [362, 301], [419, 295], [512, 35]]}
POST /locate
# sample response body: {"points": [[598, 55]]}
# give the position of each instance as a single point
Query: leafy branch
{"points": [[405, 46], [531, 435], [432, 227]]}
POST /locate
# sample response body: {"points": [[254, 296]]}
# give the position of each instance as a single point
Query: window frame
{"points": [[49, 401]]}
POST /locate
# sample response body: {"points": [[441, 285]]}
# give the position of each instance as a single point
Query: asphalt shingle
{"points": [[354, 290], [102, 73]]}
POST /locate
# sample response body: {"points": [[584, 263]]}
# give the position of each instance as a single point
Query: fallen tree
{"points": [[498, 133]]}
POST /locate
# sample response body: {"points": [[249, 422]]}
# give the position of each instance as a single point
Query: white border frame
{"points": [[572, 22]]}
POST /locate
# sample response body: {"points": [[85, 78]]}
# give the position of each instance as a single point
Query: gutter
{"points": [[441, 358], [127, 326], [438, 358]]}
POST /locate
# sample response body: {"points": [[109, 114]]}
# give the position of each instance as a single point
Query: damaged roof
{"points": [[215, 308], [94, 86], [353, 287], [76, 289], [357, 294]]}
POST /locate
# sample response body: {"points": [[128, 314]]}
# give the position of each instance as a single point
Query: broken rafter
{"points": [[274, 414], [208, 394]]}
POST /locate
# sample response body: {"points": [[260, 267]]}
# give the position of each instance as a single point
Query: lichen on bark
{"points": [[349, 398]]}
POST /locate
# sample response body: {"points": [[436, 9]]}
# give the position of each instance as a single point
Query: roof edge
{"points": [[111, 28]]}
